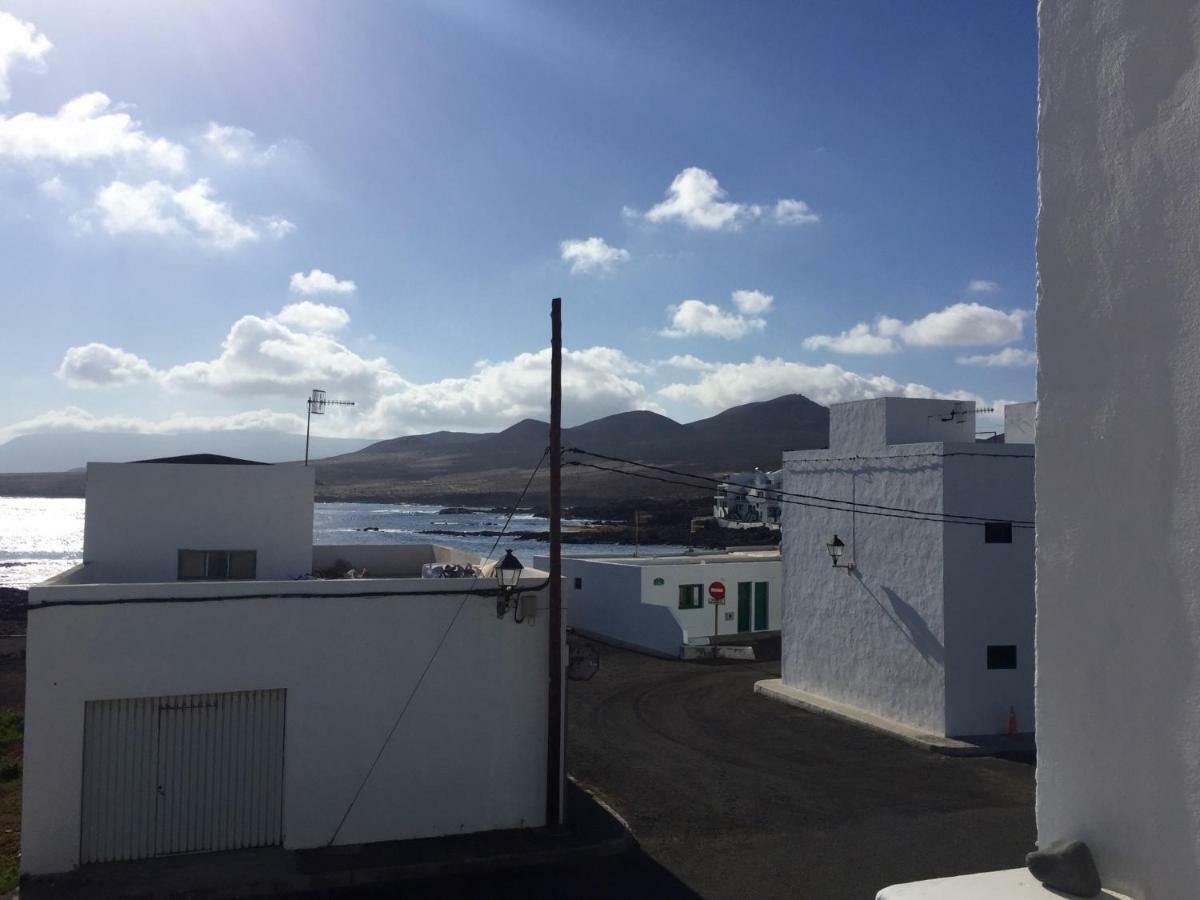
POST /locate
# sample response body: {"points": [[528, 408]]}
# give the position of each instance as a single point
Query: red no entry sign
{"points": [[716, 590]]}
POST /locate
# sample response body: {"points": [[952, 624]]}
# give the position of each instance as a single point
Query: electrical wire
{"points": [[433, 657], [846, 509], [778, 493]]}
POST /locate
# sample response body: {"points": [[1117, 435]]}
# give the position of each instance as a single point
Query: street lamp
{"points": [[836, 548], [508, 573]]}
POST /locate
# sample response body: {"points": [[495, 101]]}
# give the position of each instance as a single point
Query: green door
{"points": [[744, 605], [760, 606]]}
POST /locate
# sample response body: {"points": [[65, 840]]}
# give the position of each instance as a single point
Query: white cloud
{"points": [[597, 381], [980, 286], [84, 130], [309, 316], [964, 325], [696, 199], [753, 303], [858, 340], [592, 255], [728, 384], [74, 419], [689, 362], [959, 325], [795, 212], [318, 282], [19, 42], [695, 317], [159, 209], [235, 145], [96, 364], [53, 187], [264, 355], [1009, 357]]}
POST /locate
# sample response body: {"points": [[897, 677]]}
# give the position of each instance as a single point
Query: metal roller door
{"points": [[182, 774]]}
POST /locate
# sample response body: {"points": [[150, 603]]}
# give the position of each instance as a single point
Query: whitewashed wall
{"points": [[1118, 472], [620, 601], [989, 590], [469, 755], [139, 515], [873, 638]]}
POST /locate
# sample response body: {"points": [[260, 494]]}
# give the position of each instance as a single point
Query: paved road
{"points": [[739, 796]]}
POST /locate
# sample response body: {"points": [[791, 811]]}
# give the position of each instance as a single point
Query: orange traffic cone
{"points": [[1012, 720]]}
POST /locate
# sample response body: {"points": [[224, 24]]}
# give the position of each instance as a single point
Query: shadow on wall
{"points": [[909, 622]]}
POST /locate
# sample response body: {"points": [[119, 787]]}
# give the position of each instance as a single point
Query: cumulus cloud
{"points": [[73, 419], [98, 364], [597, 381], [722, 385], [981, 286], [696, 199], [693, 318], [795, 212], [20, 42], [160, 209], [689, 362], [753, 303], [84, 130], [958, 325], [318, 282], [235, 145], [858, 340], [309, 316], [1009, 357], [592, 255]]}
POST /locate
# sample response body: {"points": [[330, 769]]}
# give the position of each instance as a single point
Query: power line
{"points": [[851, 509], [778, 493], [433, 657]]}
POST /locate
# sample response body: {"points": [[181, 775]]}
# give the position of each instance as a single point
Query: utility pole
{"points": [[316, 407], [554, 743]]}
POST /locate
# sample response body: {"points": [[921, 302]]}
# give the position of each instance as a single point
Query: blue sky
{"points": [[825, 197]]}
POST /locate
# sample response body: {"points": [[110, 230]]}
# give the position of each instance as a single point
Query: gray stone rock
{"points": [[1066, 866]]}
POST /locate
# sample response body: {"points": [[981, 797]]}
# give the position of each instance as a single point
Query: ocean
{"points": [[40, 537]]}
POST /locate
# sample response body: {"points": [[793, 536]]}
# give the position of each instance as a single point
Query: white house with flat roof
{"points": [[927, 620], [192, 687], [668, 604]]}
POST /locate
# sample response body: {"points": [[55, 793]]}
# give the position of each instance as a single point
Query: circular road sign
{"points": [[716, 590]]}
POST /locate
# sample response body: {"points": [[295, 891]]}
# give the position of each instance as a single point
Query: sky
{"points": [[209, 208]]}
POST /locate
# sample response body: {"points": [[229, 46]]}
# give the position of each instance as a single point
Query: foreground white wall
{"points": [[469, 755], [1118, 470], [139, 515]]}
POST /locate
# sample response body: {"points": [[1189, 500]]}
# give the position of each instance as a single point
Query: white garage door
{"points": [[182, 774]]}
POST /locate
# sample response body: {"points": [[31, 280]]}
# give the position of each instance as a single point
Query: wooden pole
{"points": [[554, 748]]}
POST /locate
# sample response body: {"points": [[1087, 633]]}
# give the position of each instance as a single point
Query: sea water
{"points": [[40, 537]]}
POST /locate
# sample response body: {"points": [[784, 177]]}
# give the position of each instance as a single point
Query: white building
{"points": [[185, 692], [927, 623], [747, 499], [665, 604], [1118, 474]]}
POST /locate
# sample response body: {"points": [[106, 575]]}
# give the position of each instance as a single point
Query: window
{"points": [[211, 565], [1002, 656], [691, 596], [579, 584], [997, 533]]}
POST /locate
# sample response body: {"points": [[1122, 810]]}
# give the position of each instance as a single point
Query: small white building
{"points": [[191, 687], [746, 499], [926, 622], [666, 604]]}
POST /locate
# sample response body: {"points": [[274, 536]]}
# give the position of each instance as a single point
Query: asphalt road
{"points": [[735, 795]]}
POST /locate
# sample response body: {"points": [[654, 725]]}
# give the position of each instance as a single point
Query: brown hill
{"points": [[492, 468]]}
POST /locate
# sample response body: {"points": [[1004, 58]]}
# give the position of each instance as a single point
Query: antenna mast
{"points": [[316, 407]]}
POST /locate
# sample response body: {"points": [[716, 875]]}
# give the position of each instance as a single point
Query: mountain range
{"points": [[491, 468]]}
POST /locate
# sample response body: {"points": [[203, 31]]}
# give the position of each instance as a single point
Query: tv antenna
{"points": [[316, 407]]}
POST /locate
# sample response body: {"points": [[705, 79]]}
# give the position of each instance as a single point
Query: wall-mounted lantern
{"points": [[508, 573], [836, 548]]}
